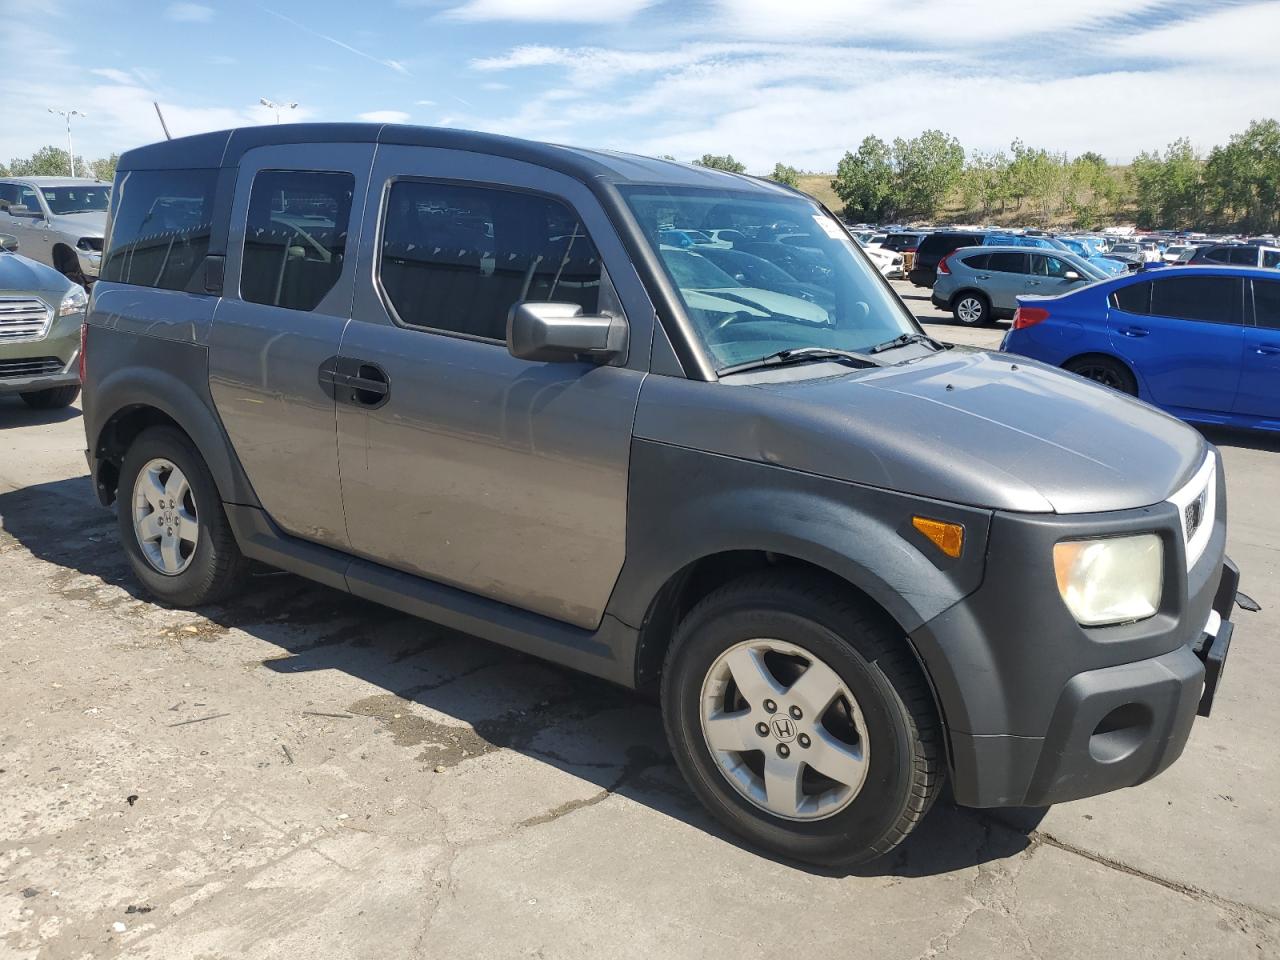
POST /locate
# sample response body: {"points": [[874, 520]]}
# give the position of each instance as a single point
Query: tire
{"points": [[973, 306], [1104, 370], [210, 570], [52, 399], [68, 264], [898, 733]]}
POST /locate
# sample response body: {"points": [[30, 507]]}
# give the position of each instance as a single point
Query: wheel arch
{"points": [[955, 297], [1106, 355], [129, 399]]}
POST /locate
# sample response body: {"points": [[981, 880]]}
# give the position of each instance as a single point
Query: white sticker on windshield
{"points": [[829, 226]]}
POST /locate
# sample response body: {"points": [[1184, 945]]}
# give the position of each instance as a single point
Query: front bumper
{"points": [[1040, 710], [90, 262]]}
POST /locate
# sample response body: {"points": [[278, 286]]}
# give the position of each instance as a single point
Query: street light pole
{"points": [[71, 150], [277, 107]]}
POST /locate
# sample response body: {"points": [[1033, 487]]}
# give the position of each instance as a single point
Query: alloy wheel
{"points": [[784, 729], [969, 310], [165, 519]]}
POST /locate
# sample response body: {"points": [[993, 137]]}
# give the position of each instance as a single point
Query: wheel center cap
{"points": [[784, 728]]}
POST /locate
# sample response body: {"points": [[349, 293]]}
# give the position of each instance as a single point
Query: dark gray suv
{"points": [[466, 376]]}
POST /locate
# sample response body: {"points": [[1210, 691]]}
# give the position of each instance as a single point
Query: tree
{"points": [[105, 169], [982, 183], [864, 181], [46, 162], [784, 174], [725, 162], [1242, 178], [926, 169]]}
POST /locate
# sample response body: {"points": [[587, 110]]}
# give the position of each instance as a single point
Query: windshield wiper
{"points": [[802, 355], [906, 339]]}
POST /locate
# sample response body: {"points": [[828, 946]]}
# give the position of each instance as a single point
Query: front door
{"points": [[1049, 275], [460, 463], [1185, 336], [1259, 393], [287, 297]]}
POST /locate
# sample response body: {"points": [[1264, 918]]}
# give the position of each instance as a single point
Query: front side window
{"points": [[457, 258], [1209, 299], [1046, 266], [86, 199], [1271, 258], [295, 238], [159, 232], [822, 292], [1266, 304]]}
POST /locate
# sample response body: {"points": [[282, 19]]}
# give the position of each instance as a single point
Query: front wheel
{"points": [[52, 399], [971, 309], [801, 720]]}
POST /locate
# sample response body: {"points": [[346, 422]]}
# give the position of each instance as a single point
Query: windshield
{"points": [[813, 289], [92, 198]]}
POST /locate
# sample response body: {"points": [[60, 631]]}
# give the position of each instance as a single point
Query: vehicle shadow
{"points": [[15, 413], [1246, 439], [604, 734]]}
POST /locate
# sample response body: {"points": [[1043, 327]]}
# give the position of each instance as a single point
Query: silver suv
{"points": [[482, 380], [59, 221]]}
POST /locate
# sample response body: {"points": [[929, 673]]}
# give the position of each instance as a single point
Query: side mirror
{"points": [[22, 210], [1071, 275], [8, 242], [557, 332]]}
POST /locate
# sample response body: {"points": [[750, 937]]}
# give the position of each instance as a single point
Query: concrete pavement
{"points": [[301, 774]]}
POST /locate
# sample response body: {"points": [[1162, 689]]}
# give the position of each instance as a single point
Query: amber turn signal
{"points": [[947, 537]]}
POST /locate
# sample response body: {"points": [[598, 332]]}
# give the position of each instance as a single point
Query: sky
{"points": [[796, 81]]}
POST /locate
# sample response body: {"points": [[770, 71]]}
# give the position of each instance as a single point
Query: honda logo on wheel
{"points": [[784, 729]]}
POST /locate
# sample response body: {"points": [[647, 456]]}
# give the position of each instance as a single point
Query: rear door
{"points": [[287, 297], [1184, 336], [1005, 278], [1259, 393], [461, 463]]}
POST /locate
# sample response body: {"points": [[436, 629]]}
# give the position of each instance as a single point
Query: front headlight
{"points": [[1110, 579], [74, 302]]}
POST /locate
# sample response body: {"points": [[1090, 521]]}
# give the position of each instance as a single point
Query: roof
{"points": [[55, 181], [225, 148]]}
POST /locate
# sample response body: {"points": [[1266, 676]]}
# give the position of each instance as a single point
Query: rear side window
{"points": [[1266, 303], [1006, 261], [1134, 298], [1218, 254], [1209, 299], [295, 238], [456, 258], [1244, 256], [159, 227]]}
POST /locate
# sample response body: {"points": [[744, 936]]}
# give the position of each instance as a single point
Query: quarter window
{"points": [[976, 261], [1007, 262], [159, 228], [457, 258], [295, 238], [1266, 304], [1209, 299], [1134, 298]]}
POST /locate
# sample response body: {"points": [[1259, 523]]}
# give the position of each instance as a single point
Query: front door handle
{"points": [[1033, 283], [1135, 331], [1267, 351]]}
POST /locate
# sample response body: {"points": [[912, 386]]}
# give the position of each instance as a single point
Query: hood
{"points": [[20, 275], [964, 426], [82, 224]]}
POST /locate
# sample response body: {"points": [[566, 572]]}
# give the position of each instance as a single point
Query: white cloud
{"points": [[189, 12], [114, 75], [395, 65], [425, 103], [1235, 36], [563, 11], [384, 116]]}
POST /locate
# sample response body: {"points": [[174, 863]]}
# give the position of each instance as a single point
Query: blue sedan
{"points": [[1203, 343]]}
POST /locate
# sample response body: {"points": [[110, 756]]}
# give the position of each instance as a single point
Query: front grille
{"points": [[23, 318], [34, 367]]}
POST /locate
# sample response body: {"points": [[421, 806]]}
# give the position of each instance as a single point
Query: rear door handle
{"points": [[1033, 283], [1265, 351], [984, 276], [1135, 331]]}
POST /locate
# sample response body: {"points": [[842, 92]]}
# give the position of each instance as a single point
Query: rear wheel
{"points": [[1105, 370], [51, 399], [971, 309], [172, 524], [801, 720]]}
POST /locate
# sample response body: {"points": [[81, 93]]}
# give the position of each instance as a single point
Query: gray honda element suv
{"points": [[468, 377]]}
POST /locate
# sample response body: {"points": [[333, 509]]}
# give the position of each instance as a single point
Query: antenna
{"points": [[163, 126]]}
